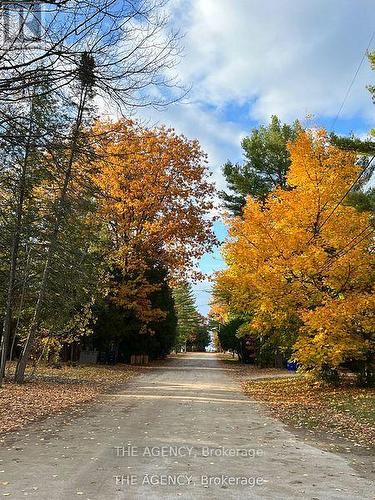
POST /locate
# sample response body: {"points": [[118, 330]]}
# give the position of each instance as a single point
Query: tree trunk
{"points": [[21, 304], [22, 362], [14, 253]]}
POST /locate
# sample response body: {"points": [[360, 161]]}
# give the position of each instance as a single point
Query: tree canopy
{"points": [[301, 263], [265, 167]]}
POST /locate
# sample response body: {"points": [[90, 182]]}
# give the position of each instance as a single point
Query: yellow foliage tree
{"points": [[301, 265]]}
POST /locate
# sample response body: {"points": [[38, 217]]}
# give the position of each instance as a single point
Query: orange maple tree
{"points": [[155, 201]]}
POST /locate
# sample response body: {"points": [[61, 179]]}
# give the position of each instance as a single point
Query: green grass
{"points": [[361, 406]]}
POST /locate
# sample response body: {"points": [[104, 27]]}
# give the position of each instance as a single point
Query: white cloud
{"points": [[271, 57], [286, 57], [219, 138], [291, 57]]}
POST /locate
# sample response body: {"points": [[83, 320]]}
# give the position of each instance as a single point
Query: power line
{"points": [[347, 192], [352, 82], [341, 200], [340, 254]]}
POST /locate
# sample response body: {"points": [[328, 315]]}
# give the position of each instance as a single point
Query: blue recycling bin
{"points": [[292, 366]]}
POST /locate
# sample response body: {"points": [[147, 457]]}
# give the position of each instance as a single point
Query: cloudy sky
{"points": [[248, 59]]}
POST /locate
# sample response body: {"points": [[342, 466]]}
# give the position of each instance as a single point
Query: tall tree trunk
{"points": [[15, 250], [22, 362], [22, 299]]}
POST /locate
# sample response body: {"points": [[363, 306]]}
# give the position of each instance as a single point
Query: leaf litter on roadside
{"points": [[53, 390]]}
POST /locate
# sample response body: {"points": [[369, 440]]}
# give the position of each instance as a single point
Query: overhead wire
{"points": [[347, 93]]}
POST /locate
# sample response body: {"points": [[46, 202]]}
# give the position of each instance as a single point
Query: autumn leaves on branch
{"points": [[154, 204], [137, 202], [84, 208], [111, 211], [301, 264]]}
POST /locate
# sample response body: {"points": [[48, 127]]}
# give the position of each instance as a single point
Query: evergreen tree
{"points": [[187, 315], [227, 334], [119, 329], [360, 196], [28, 134], [266, 163], [163, 332]]}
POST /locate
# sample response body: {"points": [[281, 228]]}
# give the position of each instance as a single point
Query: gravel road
{"points": [[180, 430]]}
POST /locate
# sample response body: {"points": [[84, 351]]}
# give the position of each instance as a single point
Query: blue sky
{"points": [[248, 59]]}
